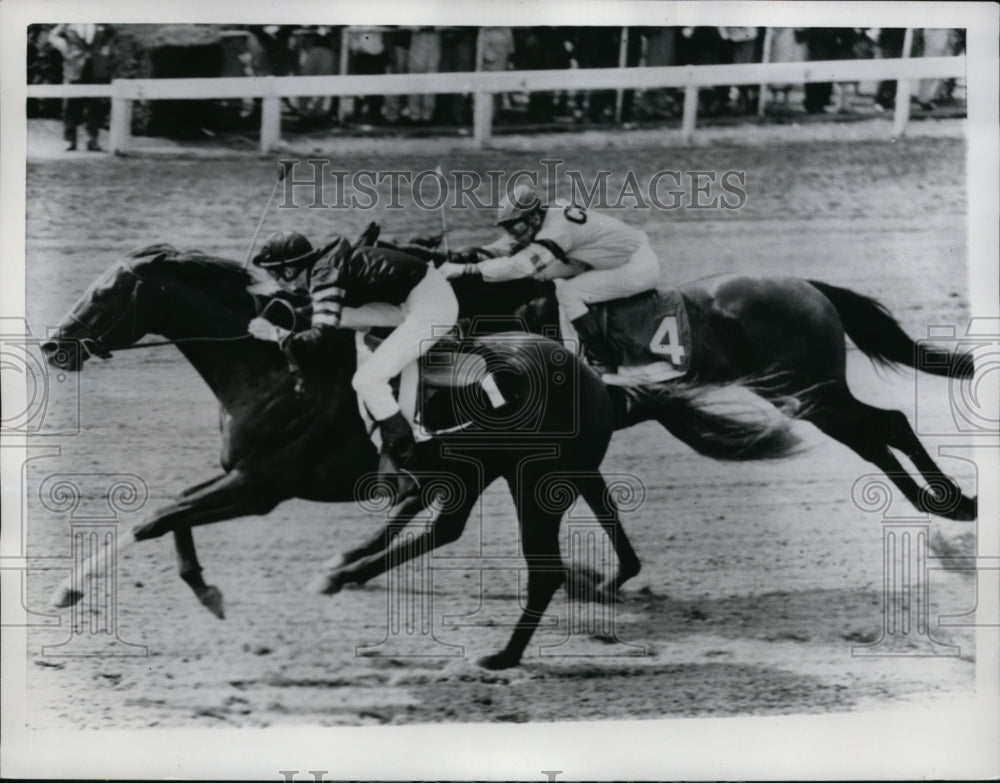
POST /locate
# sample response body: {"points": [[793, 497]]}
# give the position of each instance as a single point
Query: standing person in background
{"points": [[744, 48], [633, 58], [661, 51], [458, 55], [425, 57], [889, 44], [397, 44], [785, 48], [825, 43], [44, 67], [86, 53], [319, 55], [704, 46], [541, 48], [495, 52], [596, 47], [368, 56], [937, 42]]}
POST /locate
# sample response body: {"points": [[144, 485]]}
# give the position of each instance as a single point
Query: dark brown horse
{"points": [[782, 337], [555, 420]]}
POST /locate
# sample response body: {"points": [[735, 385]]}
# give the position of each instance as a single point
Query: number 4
{"points": [[666, 341]]}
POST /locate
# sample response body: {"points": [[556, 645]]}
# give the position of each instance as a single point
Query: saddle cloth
{"points": [[650, 334], [453, 380]]}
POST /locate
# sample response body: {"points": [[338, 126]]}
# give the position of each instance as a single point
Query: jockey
{"points": [[360, 289], [590, 256]]}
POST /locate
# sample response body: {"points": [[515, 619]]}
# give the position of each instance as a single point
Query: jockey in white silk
{"points": [[592, 257]]}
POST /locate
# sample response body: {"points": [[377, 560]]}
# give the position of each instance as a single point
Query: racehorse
{"points": [[279, 444], [784, 338]]}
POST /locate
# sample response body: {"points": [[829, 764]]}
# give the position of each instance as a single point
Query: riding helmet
{"points": [[518, 203], [283, 248]]}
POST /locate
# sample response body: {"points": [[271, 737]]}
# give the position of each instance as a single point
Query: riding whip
{"points": [[444, 217], [267, 208]]}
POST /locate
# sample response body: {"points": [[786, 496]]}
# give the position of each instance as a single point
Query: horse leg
{"points": [[187, 557], [546, 572], [445, 529], [332, 579], [199, 487], [190, 571], [594, 490], [233, 495], [403, 514], [870, 432], [949, 501]]}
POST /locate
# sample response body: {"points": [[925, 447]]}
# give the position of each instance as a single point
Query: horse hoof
{"points": [[606, 593], [64, 597], [968, 510], [329, 583], [335, 563], [498, 661], [211, 599]]}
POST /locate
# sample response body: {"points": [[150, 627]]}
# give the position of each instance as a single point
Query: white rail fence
{"points": [[483, 85]]}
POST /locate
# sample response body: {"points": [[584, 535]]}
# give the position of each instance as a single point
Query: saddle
{"points": [[456, 381], [650, 334], [456, 375]]}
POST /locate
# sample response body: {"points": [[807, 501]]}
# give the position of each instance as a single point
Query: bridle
{"points": [[95, 345]]}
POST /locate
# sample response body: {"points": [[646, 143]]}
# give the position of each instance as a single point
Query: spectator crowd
{"points": [[94, 53]]}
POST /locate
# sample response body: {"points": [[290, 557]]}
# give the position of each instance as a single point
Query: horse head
{"points": [[157, 290]]}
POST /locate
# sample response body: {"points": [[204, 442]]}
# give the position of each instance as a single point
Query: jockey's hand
{"points": [[451, 271], [472, 255], [263, 329]]}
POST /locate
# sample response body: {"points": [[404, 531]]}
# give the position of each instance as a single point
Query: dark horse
{"points": [[278, 444], [784, 338]]}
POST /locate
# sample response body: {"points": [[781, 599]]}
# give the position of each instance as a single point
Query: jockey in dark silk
{"points": [[361, 289]]}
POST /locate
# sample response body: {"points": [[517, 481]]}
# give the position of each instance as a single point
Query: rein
{"points": [[159, 343], [94, 346]]}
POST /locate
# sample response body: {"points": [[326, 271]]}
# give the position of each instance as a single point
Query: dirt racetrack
{"points": [[757, 579]]}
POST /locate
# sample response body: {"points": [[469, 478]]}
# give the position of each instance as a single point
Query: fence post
{"points": [[765, 58], [345, 103], [120, 124], [622, 62], [482, 118], [270, 118], [902, 113], [690, 113]]}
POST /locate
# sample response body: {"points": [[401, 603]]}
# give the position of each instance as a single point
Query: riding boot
{"points": [[397, 452], [599, 353]]}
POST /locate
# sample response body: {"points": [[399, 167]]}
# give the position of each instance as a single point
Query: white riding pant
{"points": [[640, 273], [427, 314]]}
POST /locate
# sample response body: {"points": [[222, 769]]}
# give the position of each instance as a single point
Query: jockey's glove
{"points": [[263, 329]]}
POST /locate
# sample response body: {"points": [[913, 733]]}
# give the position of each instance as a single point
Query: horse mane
{"points": [[213, 268]]}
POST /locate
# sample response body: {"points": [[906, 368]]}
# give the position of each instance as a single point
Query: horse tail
{"points": [[724, 422], [880, 337]]}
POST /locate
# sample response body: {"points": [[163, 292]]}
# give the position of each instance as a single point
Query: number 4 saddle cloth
{"points": [[651, 335]]}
